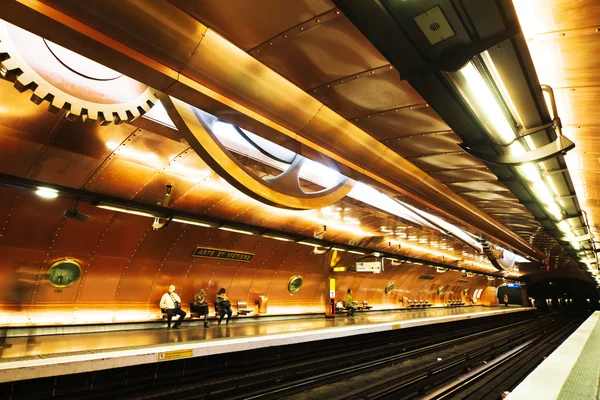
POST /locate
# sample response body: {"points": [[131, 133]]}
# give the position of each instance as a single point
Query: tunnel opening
{"points": [[553, 294]]}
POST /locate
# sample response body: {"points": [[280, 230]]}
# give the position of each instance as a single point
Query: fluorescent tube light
{"points": [[236, 230], [283, 239], [126, 210], [46, 193], [194, 222], [338, 248], [485, 105], [357, 252]]}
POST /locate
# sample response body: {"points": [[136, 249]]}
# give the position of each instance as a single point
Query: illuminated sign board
{"points": [[513, 285], [222, 254], [373, 267]]}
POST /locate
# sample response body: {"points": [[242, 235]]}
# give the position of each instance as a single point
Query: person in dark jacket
{"points": [[201, 306], [223, 306]]}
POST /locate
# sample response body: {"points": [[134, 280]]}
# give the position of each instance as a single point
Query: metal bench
{"points": [[243, 309], [198, 311], [365, 305]]}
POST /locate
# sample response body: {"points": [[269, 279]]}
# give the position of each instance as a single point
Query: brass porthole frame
{"points": [[292, 280], [388, 288], [59, 263]]}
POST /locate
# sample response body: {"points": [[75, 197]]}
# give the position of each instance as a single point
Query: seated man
{"points": [[201, 306], [350, 304], [223, 306], [171, 304]]}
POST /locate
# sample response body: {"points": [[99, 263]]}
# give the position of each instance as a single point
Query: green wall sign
{"points": [[222, 254]]}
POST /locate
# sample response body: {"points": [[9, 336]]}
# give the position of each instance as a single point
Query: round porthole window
{"points": [[389, 287], [64, 273], [294, 284]]}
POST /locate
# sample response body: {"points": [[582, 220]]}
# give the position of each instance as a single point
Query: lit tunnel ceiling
{"points": [[332, 73], [561, 37], [276, 109], [476, 72]]}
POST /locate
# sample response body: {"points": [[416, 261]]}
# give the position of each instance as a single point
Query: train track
{"points": [[293, 377], [459, 372]]}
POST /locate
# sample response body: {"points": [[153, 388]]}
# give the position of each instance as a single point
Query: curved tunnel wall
{"points": [[127, 267]]}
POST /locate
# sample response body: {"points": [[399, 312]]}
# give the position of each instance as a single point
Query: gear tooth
{"points": [[75, 110], [93, 114], [145, 106], [42, 91], [104, 118], [59, 102], [135, 113], [25, 79], [10, 64]]}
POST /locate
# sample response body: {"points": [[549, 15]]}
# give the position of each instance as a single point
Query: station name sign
{"points": [[373, 267], [222, 254]]}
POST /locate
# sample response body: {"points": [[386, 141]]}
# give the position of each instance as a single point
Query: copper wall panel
{"points": [[559, 15], [249, 24], [404, 122], [410, 146], [478, 185], [331, 50], [136, 281], [102, 277], [572, 66], [120, 178], [368, 94], [75, 151], [122, 234], [446, 161], [464, 175], [170, 35]]}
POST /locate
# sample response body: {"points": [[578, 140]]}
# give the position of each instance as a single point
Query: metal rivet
{"points": [[561, 34]]}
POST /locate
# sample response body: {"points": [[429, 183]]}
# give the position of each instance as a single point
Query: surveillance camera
{"points": [[76, 215]]}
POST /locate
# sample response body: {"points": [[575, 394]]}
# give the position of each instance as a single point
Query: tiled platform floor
{"points": [[572, 372], [61, 354]]}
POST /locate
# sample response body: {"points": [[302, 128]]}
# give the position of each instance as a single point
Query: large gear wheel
{"points": [[69, 81]]}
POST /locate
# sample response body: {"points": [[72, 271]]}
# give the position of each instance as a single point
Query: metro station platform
{"points": [[571, 372], [53, 355]]}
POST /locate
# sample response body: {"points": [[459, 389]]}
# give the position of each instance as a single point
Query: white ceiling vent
{"points": [[434, 25]]}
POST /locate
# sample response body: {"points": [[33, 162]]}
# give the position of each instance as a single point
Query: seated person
{"points": [[350, 304], [171, 304], [223, 306], [201, 306]]}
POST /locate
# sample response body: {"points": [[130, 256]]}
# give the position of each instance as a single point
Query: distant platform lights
{"points": [[480, 85]]}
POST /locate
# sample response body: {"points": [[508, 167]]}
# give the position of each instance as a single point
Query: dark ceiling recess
{"points": [[485, 35]]}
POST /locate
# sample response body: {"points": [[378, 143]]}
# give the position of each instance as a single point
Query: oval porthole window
{"points": [[389, 287], [294, 284], [64, 273]]}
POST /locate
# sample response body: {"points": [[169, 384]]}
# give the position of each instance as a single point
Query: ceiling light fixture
{"points": [[280, 238], [46, 193], [126, 210], [195, 222], [236, 230]]}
